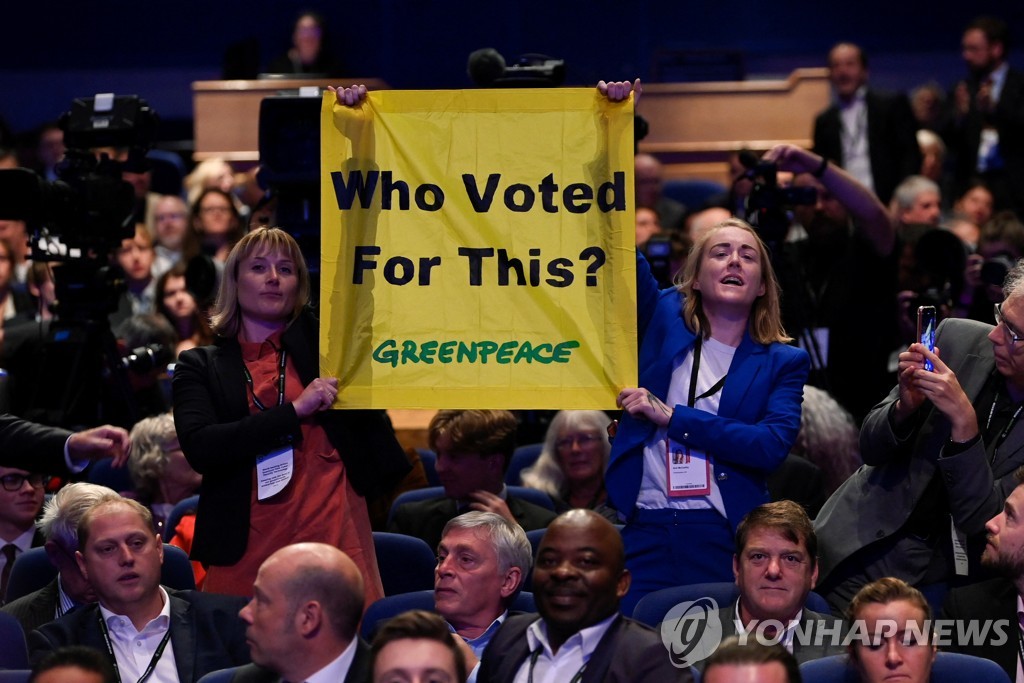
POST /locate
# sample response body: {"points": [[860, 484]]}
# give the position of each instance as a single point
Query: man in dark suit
{"points": [[987, 135], [751, 662], [869, 133], [21, 498], [473, 448], [579, 579], [38, 448], [183, 634], [994, 602], [304, 617], [59, 526], [943, 444], [776, 566]]}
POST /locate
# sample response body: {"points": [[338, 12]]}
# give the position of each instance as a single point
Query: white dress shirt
{"points": [[133, 649], [572, 656]]}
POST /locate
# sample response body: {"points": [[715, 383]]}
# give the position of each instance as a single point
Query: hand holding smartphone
{"points": [[926, 322]]}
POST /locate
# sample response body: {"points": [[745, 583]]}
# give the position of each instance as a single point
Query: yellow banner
{"points": [[478, 249]]}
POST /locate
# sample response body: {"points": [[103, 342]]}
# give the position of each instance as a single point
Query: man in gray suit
{"points": [[940, 452], [59, 526], [776, 566]]}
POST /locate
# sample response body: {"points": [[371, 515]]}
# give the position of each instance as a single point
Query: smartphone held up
{"points": [[926, 322]]}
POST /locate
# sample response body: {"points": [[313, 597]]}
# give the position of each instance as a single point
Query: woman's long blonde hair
{"points": [[765, 321]]}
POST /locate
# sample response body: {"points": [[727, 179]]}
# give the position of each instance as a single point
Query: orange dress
{"points": [[318, 504]]}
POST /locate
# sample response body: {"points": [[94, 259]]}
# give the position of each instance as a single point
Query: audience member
{"points": [[73, 664], [931, 110], [14, 299], [848, 262], [933, 155], [693, 450], [135, 617], [216, 226], [571, 465], [170, 226], [416, 647], [215, 173], [750, 662], [311, 52], [1000, 244], [302, 622], [255, 396], [135, 257], [828, 437], [776, 567], [647, 174], [160, 472], [916, 201], [578, 582], [15, 233], [868, 133], [176, 303], [151, 339], [482, 561], [897, 622], [975, 203], [988, 136], [997, 598], [946, 439], [473, 449], [59, 526], [647, 225], [50, 150], [21, 499]]}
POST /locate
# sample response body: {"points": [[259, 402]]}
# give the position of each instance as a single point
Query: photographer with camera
{"points": [[839, 284]]}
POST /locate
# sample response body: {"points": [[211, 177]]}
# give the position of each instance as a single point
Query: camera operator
{"points": [[839, 284], [1000, 244]]}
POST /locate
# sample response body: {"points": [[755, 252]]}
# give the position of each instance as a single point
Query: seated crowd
{"points": [[800, 481]]}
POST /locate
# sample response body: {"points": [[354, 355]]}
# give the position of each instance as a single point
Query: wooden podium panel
{"points": [[694, 126], [227, 113]]}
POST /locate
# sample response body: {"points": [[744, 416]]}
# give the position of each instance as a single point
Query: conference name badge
{"points": [[689, 472], [274, 471]]}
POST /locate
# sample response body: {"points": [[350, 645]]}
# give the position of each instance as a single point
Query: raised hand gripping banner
{"points": [[478, 249]]}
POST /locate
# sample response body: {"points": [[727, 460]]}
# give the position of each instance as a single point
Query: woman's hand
{"points": [[617, 91], [639, 402], [349, 97], [319, 395]]}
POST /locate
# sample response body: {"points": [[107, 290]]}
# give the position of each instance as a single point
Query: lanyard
{"points": [[1006, 430], [534, 656], [152, 662], [281, 358], [715, 388]]}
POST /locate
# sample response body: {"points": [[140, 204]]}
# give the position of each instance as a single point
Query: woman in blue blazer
{"points": [[717, 410]]}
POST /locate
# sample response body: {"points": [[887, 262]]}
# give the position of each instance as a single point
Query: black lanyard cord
{"points": [[152, 662], [715, 388], [281, 359]]}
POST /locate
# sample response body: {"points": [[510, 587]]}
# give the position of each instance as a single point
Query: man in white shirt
{"points": [[303, 618], [869, 133], [165, 636], [579, 580], [21, 498]]}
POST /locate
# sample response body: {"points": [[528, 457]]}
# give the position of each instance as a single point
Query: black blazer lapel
{"points": [[183, 638]]}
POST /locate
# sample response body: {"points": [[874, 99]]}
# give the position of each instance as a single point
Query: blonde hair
{"points": [[225, 317], [151, 440], [765, 321]]}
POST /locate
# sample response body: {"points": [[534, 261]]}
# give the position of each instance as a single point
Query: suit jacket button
{"points": [[686, 436], [722, 476], [879, 534]]}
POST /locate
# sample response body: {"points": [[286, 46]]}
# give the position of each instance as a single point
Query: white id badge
{"points": [[689, 473], [959, 538], [274, 471]]}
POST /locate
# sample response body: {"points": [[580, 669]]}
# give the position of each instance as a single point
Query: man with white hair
{"points": [[917, 201]]}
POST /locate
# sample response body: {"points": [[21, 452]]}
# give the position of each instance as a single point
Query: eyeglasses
{"points": [[14, 482], [1013, 335], [215, 209], [583, 440]]}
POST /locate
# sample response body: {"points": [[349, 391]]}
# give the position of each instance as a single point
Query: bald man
{"points": [[303, 617]]}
